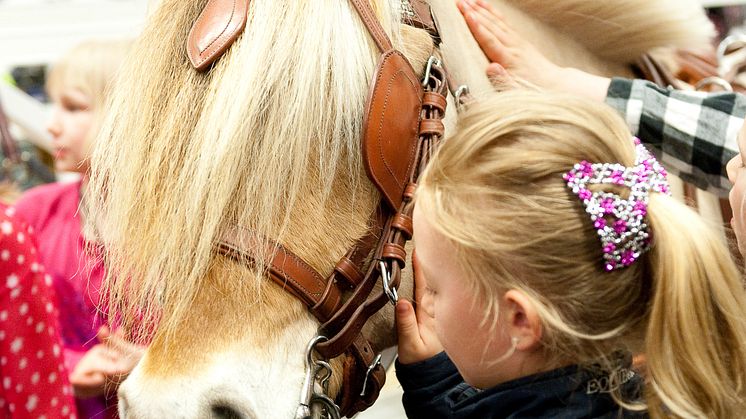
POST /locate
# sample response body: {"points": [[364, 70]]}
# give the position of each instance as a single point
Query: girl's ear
{"points": [[523, 323]]}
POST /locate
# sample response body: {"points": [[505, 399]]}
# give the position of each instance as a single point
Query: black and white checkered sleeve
{"points": [[692, 133]]}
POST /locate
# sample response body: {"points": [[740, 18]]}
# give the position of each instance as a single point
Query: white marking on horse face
{"points": [[250, 383]]}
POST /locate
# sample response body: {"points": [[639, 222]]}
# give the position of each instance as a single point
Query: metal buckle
{"points": [[376, 362], [433, 61], [387, 288], [462, 90]]}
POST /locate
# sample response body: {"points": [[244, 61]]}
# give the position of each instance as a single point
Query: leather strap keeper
{"points": [[404, 224], [432, 126], [349, 271], [435, 100], [395, 251]]}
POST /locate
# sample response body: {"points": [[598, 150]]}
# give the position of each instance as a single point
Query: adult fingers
{"points": [[499, 76], [491, 45], [489, 19]]}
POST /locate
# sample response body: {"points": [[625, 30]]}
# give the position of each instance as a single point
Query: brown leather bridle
{"points": [[402, 128]]}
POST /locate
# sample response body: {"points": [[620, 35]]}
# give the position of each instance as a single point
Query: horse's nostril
{"points": [[224, 411]]}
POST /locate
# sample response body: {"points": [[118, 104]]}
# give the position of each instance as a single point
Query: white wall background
{"points": [[39, 31]]}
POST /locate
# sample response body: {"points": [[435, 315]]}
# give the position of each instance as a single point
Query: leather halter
{"points": [[402, 127]]}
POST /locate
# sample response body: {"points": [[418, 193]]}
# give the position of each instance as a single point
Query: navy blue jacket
{"points": [[434, 389]]}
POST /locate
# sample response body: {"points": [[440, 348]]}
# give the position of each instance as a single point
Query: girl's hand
{"points": [[512, 56], [415, 324], [128, 353], [105, 365], [89, 378]]}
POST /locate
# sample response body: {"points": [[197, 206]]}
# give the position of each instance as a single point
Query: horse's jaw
{"points": [[238, 383]]}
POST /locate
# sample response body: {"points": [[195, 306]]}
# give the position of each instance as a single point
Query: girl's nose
{"points": [[54, 127]]}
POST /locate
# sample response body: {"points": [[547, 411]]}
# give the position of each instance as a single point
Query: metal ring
{"points": [[328, 406], [309, 349], [429, 69], [713, 81], [727, 42], [387, 288]]}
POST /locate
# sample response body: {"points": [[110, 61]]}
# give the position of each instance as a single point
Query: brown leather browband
{"points": [[402, 126]]}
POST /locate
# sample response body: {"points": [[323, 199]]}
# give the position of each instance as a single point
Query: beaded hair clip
{"points": [[620, 222]]}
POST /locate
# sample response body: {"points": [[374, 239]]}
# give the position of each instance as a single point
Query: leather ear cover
{"points": [[215, 30], [391, 126]]}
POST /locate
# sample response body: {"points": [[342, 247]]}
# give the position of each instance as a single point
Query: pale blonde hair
{"points": [[496, 191]]}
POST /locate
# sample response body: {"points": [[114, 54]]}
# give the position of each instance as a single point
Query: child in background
{"points": [[549, 251], [78, 86]]}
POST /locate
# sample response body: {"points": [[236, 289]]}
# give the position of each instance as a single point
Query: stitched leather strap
{"points": [[215, 30], [286, 269], [371, 22]]}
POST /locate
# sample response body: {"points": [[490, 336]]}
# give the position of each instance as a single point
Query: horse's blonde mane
{"points": [[622, 30], [268, 139]]}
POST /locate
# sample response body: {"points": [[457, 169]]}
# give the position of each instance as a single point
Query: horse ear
{"points": [[215, 30]]}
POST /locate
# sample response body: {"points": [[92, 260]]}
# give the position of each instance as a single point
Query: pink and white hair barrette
{"points": [[620, 222]]}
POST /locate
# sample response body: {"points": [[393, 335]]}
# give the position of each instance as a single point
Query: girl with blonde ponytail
{"points": [[548, 252]]}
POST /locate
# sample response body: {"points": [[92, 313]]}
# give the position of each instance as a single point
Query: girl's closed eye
{"points": [[73, 106]]}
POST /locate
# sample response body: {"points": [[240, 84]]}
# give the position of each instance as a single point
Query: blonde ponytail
{"points": [[696, 334]]}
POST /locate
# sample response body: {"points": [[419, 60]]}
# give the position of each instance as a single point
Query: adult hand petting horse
{"points": [[415, 323], [512, 56]]}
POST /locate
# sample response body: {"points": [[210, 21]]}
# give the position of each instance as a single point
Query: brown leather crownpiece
{"points": [[217, 27], [391, 124], [370, 20]]}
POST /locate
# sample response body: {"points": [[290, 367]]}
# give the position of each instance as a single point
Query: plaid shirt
{"points": [[692, 133]]}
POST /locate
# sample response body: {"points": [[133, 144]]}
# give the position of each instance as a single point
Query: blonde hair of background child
{"points": [[682, 304], [90, 67]]}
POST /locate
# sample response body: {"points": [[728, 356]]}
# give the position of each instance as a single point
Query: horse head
{"points": [[241, 159]]}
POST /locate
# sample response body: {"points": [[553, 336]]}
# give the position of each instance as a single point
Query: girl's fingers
{"points": [[420, 285], [406, 325]]}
